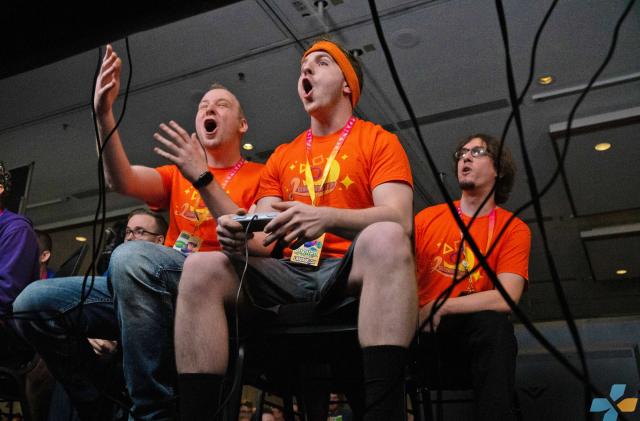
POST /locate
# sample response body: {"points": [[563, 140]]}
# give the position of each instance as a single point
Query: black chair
{"points": [[14, 367], [71, 266], [303, 345], [425, 376]]}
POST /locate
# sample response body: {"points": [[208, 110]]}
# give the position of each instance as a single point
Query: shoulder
{"points": [[284, 149], [516, 224], [12, 224], [426, 215], [369, 129], [13, 220]]}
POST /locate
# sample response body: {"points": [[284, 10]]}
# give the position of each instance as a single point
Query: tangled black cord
{"points": [[535, 195]]}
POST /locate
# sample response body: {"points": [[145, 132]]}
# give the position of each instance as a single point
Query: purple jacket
{"points": [[18, 257]]}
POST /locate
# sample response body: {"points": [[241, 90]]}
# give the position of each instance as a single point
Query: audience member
{"points": [[473, 332]]}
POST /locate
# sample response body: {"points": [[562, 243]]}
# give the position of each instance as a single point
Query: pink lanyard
{"points": [[232, 172], [336, 148]]}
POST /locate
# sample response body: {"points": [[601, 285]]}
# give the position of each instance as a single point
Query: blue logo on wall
{"points": [[625, 405]]}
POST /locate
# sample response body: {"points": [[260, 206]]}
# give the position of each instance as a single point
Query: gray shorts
{"points": [[270, 283]]}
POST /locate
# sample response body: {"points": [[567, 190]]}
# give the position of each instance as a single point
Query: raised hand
{"points": [[182, 149], [108, 82]]}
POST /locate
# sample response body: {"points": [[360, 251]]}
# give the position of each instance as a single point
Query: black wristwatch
{"points": [[204, 179]]}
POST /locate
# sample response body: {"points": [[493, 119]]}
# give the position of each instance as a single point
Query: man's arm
{"points": [[393, 201], [132, 180], [481, 301]]}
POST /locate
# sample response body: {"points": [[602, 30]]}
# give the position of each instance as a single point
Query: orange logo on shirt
{"points": [[299, 186], [198, 213], [446, 262]]}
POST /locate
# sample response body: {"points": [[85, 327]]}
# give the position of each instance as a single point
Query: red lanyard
{"points": [[307, 171], [232, 172]]}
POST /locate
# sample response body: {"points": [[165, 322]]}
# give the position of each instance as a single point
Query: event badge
{"points": [[187, 243], [309, 252]]}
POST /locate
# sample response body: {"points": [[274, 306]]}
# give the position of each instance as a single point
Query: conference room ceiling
{"points": [[450, 58]]}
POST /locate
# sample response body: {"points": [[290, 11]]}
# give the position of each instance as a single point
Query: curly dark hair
{"points": [[5, 179], [507, 170]]}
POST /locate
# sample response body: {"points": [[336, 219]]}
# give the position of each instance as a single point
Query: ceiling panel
{"points": [[611, 254], [604, 181], [305, 19], [205, 41]]}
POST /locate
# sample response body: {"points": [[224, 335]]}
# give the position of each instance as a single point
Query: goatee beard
{"points": [[467, 185]]}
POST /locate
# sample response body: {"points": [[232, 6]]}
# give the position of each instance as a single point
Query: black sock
{"points": [[384, 382], [199, 395]]}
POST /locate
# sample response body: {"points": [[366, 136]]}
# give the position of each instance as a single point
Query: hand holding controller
{"points": [[257, 220]]}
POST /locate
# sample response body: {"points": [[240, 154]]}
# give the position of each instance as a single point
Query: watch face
{"points": [[203, 180]]}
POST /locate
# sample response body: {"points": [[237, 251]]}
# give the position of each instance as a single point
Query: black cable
{"points": [[237, 380], [533, 190], [453, 211]]}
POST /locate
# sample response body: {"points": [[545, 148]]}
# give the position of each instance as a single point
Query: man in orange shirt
{"points": [[473, 332], [208, 178], [341, 179]]}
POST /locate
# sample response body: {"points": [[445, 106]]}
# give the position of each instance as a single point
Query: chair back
{"points": [[71, 266]]}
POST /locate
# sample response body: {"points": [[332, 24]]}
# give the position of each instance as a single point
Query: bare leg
{"points": [[201, 334], [383, 268]]}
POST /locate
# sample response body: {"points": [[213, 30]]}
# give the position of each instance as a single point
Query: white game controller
{"points": [[257, 220]]}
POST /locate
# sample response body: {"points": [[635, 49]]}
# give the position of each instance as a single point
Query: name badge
{"points": [[187, 243], [309, 252]]}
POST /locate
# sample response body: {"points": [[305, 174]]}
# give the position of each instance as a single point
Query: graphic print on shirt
{"points": [[445, 261], [194, 210], [298, 185]]}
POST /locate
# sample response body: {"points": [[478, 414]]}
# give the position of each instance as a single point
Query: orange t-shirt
{"points": [[369, 156], [183, 201], [437, 239]]}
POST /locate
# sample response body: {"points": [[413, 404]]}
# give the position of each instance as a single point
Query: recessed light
{"points": [[545, 80], [621, 272], [247, 146], [81, 238], [603, 146]]}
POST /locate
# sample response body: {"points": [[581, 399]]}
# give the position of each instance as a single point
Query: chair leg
{"points": [[439, 405], [232, 410], [417, 404], [287, 400], [260, 405]]}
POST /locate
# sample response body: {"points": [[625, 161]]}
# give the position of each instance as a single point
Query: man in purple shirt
{"points": [[18, 249]]}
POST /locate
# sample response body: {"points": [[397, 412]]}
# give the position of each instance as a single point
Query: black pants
{"points": [[475, 350]]}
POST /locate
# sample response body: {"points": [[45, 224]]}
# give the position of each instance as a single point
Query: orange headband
{"points": [[344, 64]]}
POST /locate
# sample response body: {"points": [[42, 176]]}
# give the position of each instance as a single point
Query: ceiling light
{"points": [[601, 147], [247, 146], [81, 238], [545, 80], [621, 272]]}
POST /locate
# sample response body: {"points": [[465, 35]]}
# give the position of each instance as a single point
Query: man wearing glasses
{"points": [[145, 225], [470, 334]]}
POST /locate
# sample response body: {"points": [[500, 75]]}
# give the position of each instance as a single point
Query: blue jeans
{"points": [[140, 313]]}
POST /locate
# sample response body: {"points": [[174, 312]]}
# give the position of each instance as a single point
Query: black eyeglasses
{"points": [[137, 232], [476, 152]]}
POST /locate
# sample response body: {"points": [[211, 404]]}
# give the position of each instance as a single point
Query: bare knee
{"points": [[205, 276], [384, 243]]}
